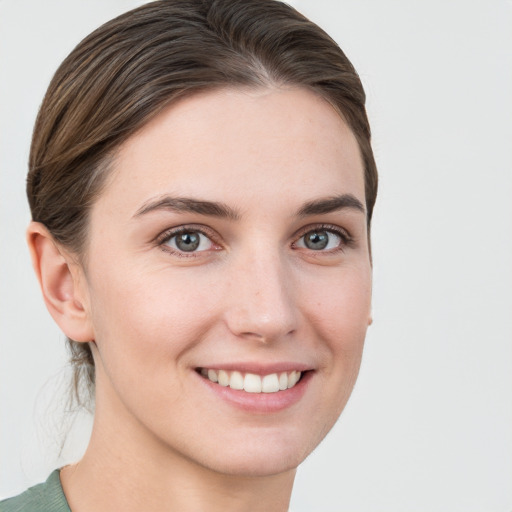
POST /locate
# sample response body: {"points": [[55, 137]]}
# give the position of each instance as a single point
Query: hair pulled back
{"points": [[132, 67]]}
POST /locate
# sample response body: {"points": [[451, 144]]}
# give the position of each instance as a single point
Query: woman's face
{"points": [[230, 244]]}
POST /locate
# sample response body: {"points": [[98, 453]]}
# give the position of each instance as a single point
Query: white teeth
{"points": [[223, 378], [283, 381], [270, 383], [293, 378], [252, 383], [236, 381]]}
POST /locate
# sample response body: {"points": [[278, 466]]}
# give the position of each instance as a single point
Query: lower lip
{"points": [[261, 402]]}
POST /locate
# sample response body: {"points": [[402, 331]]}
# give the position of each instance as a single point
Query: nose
{"points": [[261, 299]]}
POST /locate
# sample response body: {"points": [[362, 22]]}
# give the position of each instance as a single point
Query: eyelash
{"points": [[346, 241], [165, 237], [162, 239]]}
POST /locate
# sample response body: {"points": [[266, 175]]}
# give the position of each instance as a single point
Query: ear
{"points": [[62, 282]]}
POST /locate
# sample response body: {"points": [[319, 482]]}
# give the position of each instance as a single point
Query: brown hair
{"points": [[129, 69]]}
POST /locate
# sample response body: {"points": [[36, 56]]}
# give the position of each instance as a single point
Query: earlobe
{"points": [[61, 281]]}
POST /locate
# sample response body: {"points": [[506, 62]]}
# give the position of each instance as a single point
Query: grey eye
{"points": [[187, 241], [190, 241], [318, 240]]}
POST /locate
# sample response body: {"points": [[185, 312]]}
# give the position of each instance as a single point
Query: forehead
{"points": [[236, 145]]}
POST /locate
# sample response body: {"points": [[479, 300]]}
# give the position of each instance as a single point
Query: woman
{"points": [[201, 185]]}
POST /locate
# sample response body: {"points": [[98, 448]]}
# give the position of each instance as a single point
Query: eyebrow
{"points": [[331, 204], [222, 210], [187, 204]]}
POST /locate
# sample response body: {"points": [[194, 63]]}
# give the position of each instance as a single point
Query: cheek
{"points": [[145, 326], [342, 307], [143, 318], [341, 312]]}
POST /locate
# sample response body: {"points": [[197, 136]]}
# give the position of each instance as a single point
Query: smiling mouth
{"points": [[250, 382]]}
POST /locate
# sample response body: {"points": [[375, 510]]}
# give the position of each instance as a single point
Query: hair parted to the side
{"points": [[129, 69]]}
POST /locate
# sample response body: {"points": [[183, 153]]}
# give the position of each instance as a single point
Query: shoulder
{"points": [[45, 497]]}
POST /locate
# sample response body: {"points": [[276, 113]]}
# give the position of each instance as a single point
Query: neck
{"points": [[90, 485]]}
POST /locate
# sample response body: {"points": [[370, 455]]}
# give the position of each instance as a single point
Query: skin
{"points": [[253, 293]]}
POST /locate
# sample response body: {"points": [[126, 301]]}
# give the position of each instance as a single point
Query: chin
{"points": [[255, 465], [259, 456]]}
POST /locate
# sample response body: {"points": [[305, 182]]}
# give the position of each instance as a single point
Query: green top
{"points": [[45, 497]]}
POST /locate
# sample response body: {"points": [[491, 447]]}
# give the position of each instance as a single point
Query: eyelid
{"points": [[162, 238], [346, 239]]}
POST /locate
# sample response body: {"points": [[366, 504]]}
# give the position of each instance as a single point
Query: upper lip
{"points": [[259, 368]]}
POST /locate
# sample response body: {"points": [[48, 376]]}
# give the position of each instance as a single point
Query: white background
{"points": [[429, 427]]}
